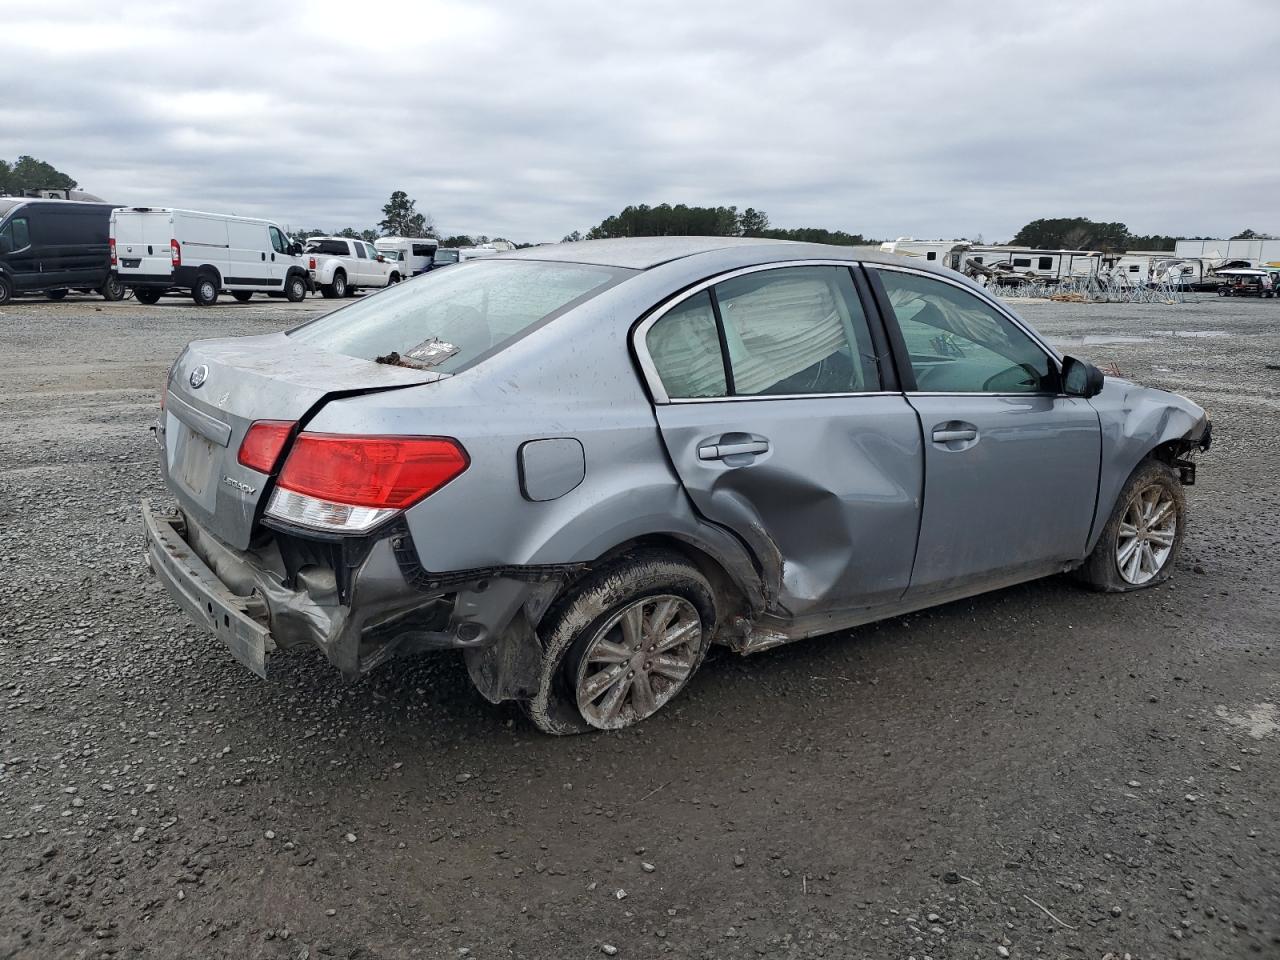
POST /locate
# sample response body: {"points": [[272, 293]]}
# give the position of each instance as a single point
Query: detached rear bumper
{"points": [[360, 616], [238, 621]]}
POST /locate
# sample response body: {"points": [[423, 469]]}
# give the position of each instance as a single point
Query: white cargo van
{"points": [[157, 249]]}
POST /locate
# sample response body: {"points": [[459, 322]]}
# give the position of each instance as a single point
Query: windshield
{"points": [[445, 321]]}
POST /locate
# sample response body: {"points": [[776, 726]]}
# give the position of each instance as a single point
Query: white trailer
{"points": [[414, 255], [1256, 252], [1017, 263], [947, 253]]}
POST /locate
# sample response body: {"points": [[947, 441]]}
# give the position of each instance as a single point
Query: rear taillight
{"points": [[111, 249], [263, 443], [175, 253], [350, 484], [312, 263]]}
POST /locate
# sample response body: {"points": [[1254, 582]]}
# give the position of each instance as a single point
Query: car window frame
{"points": [[902, 358], [886, 365]]}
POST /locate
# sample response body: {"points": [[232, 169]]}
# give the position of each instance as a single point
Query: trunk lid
{"points": [[218, 388]]}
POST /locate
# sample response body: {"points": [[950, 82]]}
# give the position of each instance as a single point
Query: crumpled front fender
{"points": [[1136, 420]]}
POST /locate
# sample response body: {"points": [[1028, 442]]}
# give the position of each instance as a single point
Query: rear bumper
{"points": [[238, 621], [247, 600]]}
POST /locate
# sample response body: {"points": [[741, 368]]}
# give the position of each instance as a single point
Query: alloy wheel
{"points": [[638, 660], [1148, 530]]}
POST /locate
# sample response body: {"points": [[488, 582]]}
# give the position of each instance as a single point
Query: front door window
{"points": [[957, 343]]}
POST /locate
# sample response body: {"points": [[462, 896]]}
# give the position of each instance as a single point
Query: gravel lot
{"points": [[1036, 772]]}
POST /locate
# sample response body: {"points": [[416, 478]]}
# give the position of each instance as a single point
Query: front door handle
{"points": [[718, 451], [942, 436]]}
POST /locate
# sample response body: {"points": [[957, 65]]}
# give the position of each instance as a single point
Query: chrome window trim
{"points": [[982, 296], [656, 388]]}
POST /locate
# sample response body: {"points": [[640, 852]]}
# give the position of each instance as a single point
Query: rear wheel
{"points": [[55, 294], [147, 294], [622, 643], [243, 296], [205, 291], [295, 288], [113, 289], [336, 289], [395, 278], [1143, 538], [6, 289]]}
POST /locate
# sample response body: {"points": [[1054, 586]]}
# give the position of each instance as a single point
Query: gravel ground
{"points": [[1036, 772]]}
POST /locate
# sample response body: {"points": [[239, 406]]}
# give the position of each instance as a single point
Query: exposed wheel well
{"points": [[208, 269], [730, 598]]}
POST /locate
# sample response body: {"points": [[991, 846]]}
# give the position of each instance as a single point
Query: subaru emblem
{"points": [[198, 376]]}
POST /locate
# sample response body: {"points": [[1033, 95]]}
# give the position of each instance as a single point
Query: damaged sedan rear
{"points": [[581, 465]]}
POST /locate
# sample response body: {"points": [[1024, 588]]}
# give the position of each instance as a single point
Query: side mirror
{"points": [[1080, 378]]}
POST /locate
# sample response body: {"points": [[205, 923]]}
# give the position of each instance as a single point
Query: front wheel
{"points": [[1143, 538], [147, 294], [622, 643], [113, 289], [295, 289], [6, 289]]}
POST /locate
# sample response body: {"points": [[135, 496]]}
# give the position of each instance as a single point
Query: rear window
{"points": [[336, 248], [446, 321]]}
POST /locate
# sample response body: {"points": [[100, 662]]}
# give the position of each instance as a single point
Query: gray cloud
{"points": [[529, 120]]}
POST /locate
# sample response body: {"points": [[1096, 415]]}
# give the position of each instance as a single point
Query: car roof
{"points": [[643, 253]]}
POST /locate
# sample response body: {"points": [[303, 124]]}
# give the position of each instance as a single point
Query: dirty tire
{"points": [[6, 289], [1101, 570], [242, 296], [113, 289], [55, 294], [575, 619], [205, 290], [394, 278], [147, 294], [295, 289]]}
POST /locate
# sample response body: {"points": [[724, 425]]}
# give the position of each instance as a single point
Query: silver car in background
{"points": [[582, 464]]}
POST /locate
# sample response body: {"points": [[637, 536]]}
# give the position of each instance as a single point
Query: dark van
{"points": [[53, 246]]}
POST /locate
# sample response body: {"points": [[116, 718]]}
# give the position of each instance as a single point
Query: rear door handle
{"points": [[718, 451], [942, 436]]}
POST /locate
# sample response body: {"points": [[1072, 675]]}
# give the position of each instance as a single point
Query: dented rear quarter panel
{"points": [[1135, 420]]}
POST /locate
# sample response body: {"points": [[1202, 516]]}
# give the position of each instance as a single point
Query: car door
{"points": [[379, 270], [278, 256], [20, 254], [785, 427], [1011, 464], [359, 264]]}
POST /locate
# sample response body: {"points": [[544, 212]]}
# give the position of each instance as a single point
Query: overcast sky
{"points": [[529, 119]]}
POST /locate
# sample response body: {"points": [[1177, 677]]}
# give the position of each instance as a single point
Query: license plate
{"points": [[132, 262], [195, 460]]}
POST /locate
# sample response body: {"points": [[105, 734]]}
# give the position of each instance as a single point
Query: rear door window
{"points": [[685, 348], [798, 330]]}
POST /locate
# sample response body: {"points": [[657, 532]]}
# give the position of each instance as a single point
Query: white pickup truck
{"points": [[340, 266]]}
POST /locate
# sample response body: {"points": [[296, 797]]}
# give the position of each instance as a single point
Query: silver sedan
{"points": [[583, 464]]}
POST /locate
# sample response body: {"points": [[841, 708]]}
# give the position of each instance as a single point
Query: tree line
{"points": [[681, 220], [1081, 233]]}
